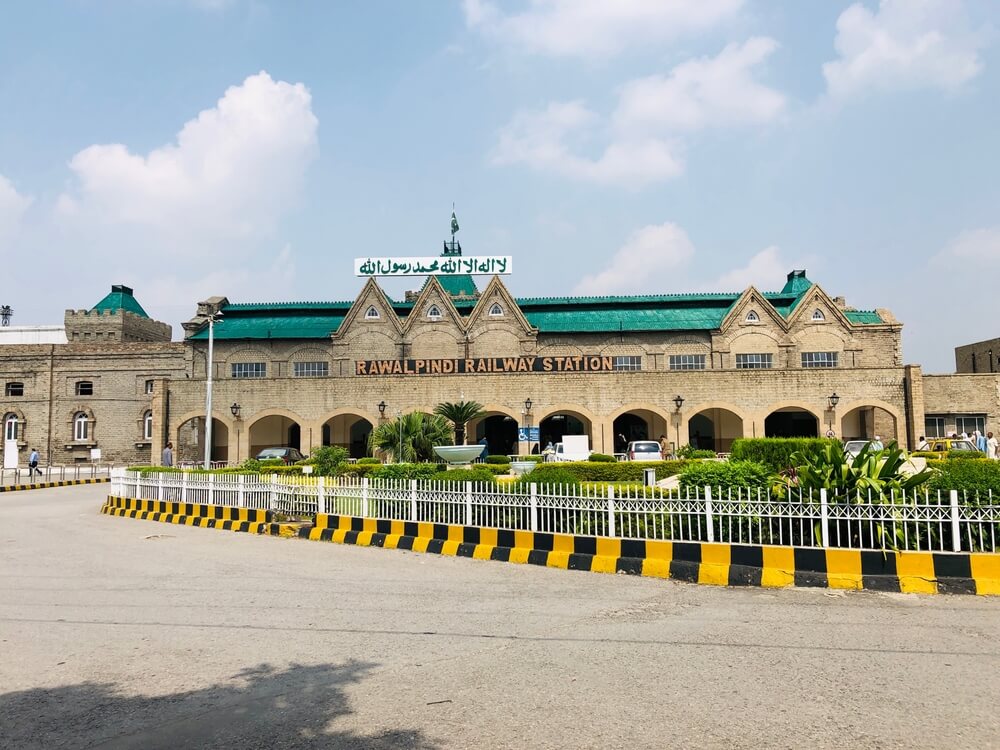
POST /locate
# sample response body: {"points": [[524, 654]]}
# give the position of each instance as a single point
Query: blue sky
{"points": [[252, 149]]}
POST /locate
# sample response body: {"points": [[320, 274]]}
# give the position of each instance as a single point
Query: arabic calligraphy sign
{"points": [[484, 365], [439, 266]]}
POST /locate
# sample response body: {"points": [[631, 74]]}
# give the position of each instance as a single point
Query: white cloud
{"points": [[979, 245], [644, 145], [233, 172], [706, 92], [651, 251], [905, 44], [13, 206], [577, 28], [764, 271]]}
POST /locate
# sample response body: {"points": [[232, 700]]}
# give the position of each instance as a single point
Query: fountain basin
{"points": [[458, 454]]}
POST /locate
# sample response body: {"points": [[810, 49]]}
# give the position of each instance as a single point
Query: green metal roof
{"points": [[120, 298], [595, 314], [458, 285]]}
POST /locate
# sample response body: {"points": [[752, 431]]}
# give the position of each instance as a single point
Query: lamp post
{"points": [[527, 415], [235, 411], [208, 389], [678, 402], [5, 312], [833, 399], [381, 409]]}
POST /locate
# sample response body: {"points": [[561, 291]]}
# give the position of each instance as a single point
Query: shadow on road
{"points": [[262, 707]]}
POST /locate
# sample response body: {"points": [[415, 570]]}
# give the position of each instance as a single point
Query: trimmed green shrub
{"points": [[406, 471], [620, 471], [497, 459], [251, 464], [928, 454], [269, 462], [479, 474], [369, 460], [973, 479], [327, 459], [689, 451], [965, 456], [145, 470], [532, 457], [494, 469], [775, 453], [358, 470], [738, 476], [602, 458], [547, 474]]}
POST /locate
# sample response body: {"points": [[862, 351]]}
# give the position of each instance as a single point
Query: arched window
{"points": [[434, 312], [495, 310], [10, 424], [81, 426], [753, 317], [147, 425], [818, 315], [372, 314], [84, 388]]}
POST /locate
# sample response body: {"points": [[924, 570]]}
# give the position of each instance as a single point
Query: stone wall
{"points": [[983, 356], [120, 326]]}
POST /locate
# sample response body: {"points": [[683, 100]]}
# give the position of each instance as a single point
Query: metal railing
{"points": [[24, 475], [921, 520]]}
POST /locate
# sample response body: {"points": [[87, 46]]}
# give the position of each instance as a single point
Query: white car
{"points": [[643, 450]]}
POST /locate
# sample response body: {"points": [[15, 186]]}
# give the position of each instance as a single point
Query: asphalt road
{"points": [[116, 633]]}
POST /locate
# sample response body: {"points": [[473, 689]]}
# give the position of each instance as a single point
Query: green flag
{"points": [[454, 223]]}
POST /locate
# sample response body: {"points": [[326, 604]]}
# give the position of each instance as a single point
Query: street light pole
{"points": [[208, 391], [399, 419]]}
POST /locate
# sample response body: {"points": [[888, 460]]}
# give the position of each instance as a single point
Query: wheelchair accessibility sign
{"points": [[527, 434]]}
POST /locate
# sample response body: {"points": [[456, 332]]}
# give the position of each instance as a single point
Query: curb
{"points": [[46, 485], [694, 562]]}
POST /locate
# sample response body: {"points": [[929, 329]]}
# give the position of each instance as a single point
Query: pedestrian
{"points": [[980, 442], [33, 463], [664, 446], [877, 444], [991, 446], [167, 457], [486, 449], [922, 444]]}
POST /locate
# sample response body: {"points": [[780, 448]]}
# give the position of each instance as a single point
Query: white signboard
{"points": [[10, 454], [434, 266], [95, 454]]}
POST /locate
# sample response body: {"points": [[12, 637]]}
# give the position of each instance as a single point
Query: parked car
{"points": [[643, 450], [288, 455], [951, 444], [853, 447]]}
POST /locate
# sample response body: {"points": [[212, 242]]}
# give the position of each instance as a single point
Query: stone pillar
{"points": [[162, 429], [913, 409]]}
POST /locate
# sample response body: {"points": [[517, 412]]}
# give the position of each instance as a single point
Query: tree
{"points": [[410, 437], [459, 414]]}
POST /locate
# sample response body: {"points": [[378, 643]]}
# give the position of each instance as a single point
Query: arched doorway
{"points": [[554, 427], [348, 431], [628, 427], [500, 431], [715, 429], [865, 422], [189, 446], [791, 421], [274, 431]]}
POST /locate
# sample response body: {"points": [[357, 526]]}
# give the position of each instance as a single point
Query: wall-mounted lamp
{"points": [[381, 408], [834, 399], [527, 404], [235, 409], [678, 402]]}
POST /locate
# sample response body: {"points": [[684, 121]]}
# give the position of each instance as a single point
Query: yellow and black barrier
{"points": [[47, 485], [695, 562]]}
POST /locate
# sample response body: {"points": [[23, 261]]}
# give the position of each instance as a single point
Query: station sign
{"points": [[485, 365], [492, 265]]}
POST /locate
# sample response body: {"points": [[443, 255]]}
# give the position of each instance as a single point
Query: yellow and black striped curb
{"points": [[46, 485], [695, 562]]}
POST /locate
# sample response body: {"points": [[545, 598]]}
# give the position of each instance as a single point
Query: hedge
{"points": [[369, 460], [974, 479], [601, 458], [737, 476], [775, 453], [548, 474], [624, 471], [497, 459], [408, 471]]}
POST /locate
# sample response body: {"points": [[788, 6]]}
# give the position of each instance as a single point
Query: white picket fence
{"points": [[24, 475], [938, 522]]}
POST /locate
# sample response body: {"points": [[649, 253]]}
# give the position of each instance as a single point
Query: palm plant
{"points": [[460, 413], [410, 437]]}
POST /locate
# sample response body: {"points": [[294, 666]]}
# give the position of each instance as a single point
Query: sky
{"points": [[254, 148]]}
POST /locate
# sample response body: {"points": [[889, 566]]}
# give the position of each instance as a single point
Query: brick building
{"points": [[698, 368]]}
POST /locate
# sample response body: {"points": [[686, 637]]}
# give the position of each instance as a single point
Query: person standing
{"points": [[980, 442], [167, 457], [991, 446], [922, 444], [33, 463]]}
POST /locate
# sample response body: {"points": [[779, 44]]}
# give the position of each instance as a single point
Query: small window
{"points": [[496, 311], [310, 369], [84, 388], [753, 317], [249, 370], [149, 386], [434, 312], [372, 314], [14, 389], [934, 427], [818, 315], [819, 359], [687, 362], [10, 424], [147, 426], [754, 361], [969, 423], [627, 362], [81, 427]]}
